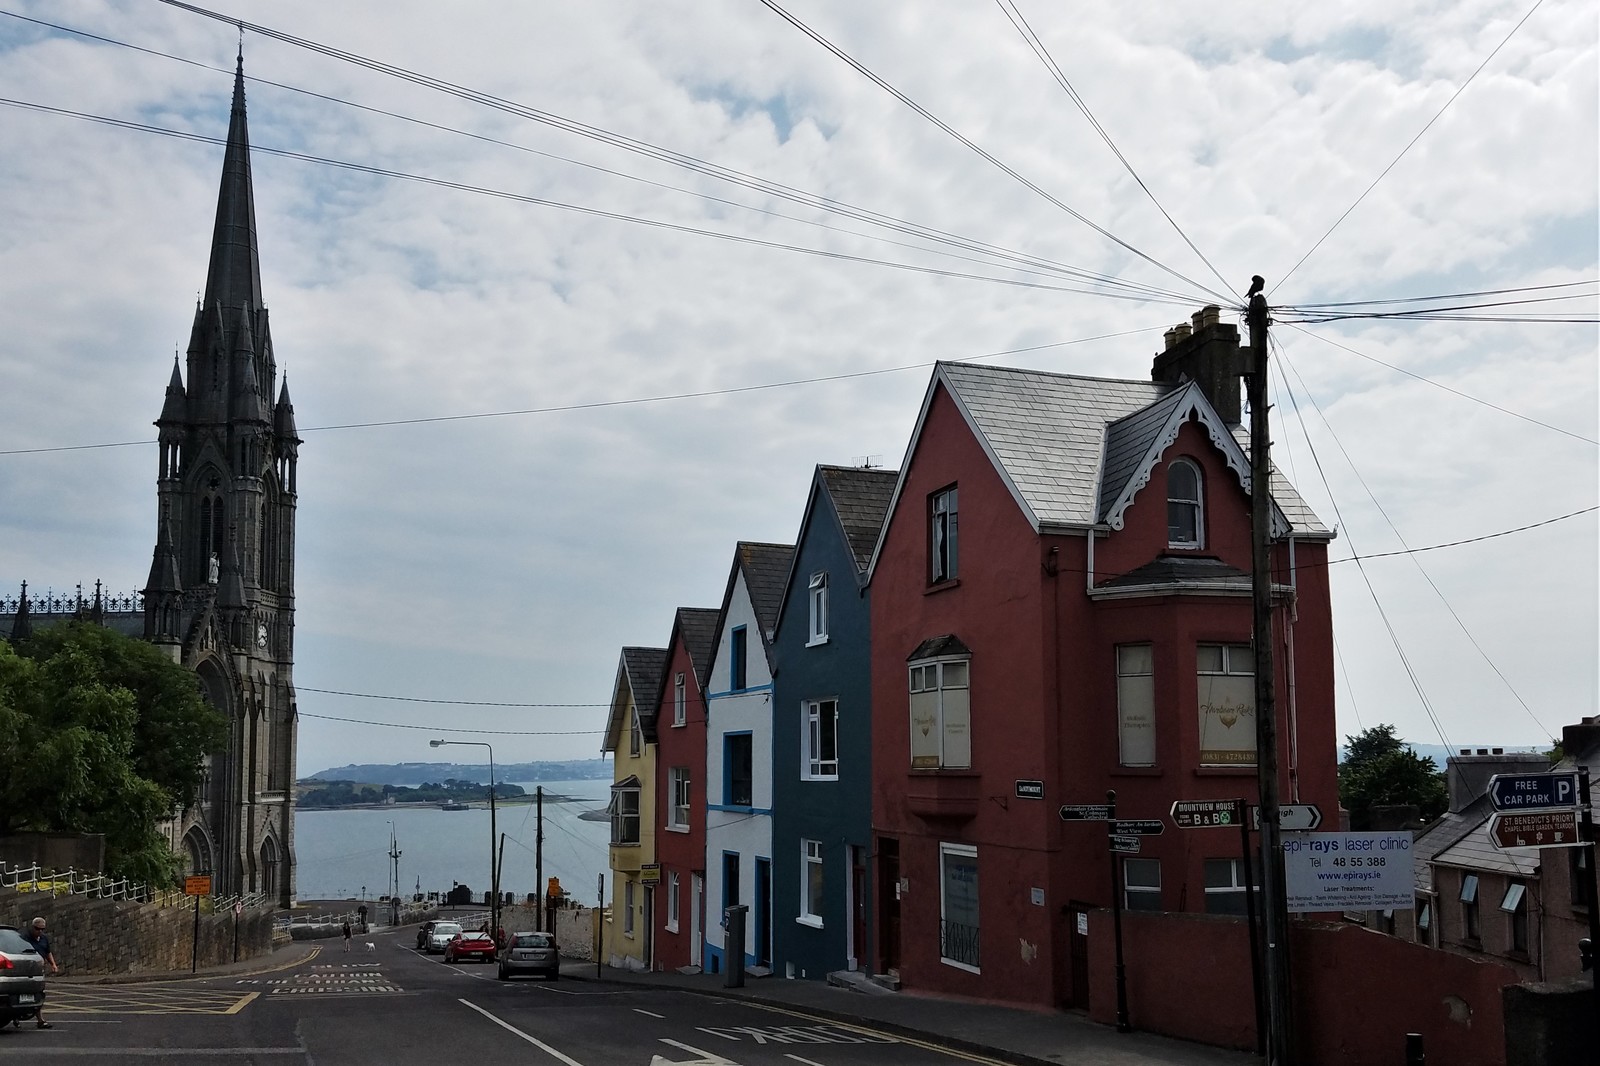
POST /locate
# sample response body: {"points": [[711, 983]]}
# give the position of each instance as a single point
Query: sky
{"points": [[663, 355]]}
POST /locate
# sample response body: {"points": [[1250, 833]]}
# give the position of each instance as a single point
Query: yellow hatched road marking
{"points": [[126, 999]]}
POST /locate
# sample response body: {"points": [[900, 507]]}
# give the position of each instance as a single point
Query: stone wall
{"points": [[102, 936]]}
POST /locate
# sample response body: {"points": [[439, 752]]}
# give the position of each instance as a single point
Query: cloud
{"points": [[509, 559]]}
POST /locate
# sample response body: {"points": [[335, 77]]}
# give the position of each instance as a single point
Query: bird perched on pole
{"points": [[1257, 283]]}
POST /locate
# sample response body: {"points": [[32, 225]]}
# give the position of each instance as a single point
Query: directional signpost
{"points": [[1292, 817], [1204, 814], [1536, 829], [1086, 812], [1524, 792], [1143, 827], [1125, 845]]}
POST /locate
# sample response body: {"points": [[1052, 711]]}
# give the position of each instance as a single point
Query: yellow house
{"points": [[630, 740]]}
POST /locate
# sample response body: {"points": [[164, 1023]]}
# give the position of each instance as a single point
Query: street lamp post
{"points": [[494, 866]]}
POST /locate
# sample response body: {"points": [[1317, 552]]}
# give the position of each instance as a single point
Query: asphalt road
{"points": [[394, 1007]]}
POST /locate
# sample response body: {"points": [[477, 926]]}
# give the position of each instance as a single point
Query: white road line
{"points": [[707, 1058], [797, 1058], [535, 1041], [653, 1014]]}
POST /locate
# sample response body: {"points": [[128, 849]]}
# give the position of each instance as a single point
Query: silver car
{"points": [[530, 953], [21, 977], [439, 936]]}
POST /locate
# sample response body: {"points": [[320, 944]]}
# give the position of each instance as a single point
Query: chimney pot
{"points": [[1210, 315], [1171, 337], [1498, 751], [1182, 330]]}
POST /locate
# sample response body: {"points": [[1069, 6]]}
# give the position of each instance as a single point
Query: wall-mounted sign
{"points": [[650, 873], [1349, 871], [1030, 790]]}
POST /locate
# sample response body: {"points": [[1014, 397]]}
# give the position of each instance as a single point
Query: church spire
{"points": [[234, 277]]}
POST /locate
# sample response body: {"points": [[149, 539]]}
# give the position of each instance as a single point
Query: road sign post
{"points": [[1123, 1026], [1593, 885]]}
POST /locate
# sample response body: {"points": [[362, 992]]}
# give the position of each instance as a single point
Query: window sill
{"points": [[941, 586], [1225, 771], [809, 920], [671, 927], [960, 965], [819, 777], [676, 828], [1138, 771], [817, 642]]}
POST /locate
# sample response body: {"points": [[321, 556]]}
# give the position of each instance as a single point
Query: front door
{"points": [[1078, 939], [889, 903], [697, 891], [858, 908], [763, 912]]}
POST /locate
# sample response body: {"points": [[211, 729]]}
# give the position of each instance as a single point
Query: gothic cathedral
{"points": [[220, 598]]}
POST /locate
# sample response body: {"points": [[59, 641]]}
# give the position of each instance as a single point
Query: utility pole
{"points": [[538, 859], [1274, 905], [394, 893]]}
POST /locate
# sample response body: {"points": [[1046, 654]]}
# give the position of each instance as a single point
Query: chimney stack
{"points": [[1206, 350]]}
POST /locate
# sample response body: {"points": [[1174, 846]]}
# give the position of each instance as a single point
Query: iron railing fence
{"points": [[36, 878], [958, 943]]}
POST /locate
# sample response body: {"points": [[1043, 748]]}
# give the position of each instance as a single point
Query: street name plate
{"points": [[1085, 812], [1144, 827], [1125, 844], [1030, 789], [1535, 829], [1204, 814]]}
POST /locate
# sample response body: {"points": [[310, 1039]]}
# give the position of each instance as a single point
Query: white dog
{"points": [[371, 946]]}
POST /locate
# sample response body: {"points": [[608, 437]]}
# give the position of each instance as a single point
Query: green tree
{"points": [[101, 733], [1379, 770]]}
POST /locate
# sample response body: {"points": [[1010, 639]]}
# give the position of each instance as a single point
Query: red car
{"points": [[464, 946]]}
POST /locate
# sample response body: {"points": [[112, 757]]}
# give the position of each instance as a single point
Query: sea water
{"points": [[344, 854]]}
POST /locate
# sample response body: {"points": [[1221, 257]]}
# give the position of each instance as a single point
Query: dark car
{"points": [[533, 953], [477, 947], [21, 977]]}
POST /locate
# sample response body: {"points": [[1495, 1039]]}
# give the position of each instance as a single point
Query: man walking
{"points": [[39, 940]]}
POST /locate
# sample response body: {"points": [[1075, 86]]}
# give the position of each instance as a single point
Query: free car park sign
{"points": [[1522, 792]]}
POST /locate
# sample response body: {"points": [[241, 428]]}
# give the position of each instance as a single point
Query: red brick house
{"points": [[680, 790], [1061, 606]]}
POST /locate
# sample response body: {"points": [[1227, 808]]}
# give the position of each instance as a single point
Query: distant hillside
{"points": [[412, 774]]}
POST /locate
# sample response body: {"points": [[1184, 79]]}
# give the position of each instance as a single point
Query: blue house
{"points": [[821, 735]]}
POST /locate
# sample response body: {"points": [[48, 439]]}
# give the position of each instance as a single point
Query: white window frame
{"points": [[964, 851], [1130, 892], [817, 609], [951, 715], [627, 907], [1136, 698], [811, 901], [621, 816], [635, 735], [816, 723], [1236, 886], [672, 901], [678, 803], [1197, 504], [680, 701]]}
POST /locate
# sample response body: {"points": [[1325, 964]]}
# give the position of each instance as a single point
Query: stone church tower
{"points": [[220, 598]]}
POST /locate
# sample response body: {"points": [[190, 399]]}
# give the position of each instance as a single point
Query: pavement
{"points": [[1019, 1035]]}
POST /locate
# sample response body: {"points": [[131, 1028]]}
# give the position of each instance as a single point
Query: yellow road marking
{"points": [[127, 1000], [242, 1004]]}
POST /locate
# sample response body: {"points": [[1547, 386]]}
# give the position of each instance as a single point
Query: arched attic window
{"points": [[1185, 505]]}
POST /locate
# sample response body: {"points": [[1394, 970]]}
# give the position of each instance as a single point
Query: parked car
{"points": [[478, 947], [533, 953], [424, 932], [21, 977], [439, 936]]}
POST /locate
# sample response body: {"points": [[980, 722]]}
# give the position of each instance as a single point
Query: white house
{"points": [[739, 752]]}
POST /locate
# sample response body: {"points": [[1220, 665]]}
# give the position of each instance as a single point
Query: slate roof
{"points": [[861, 497], [645, 667], [766, 571], [1183, 570], [1069, 445], [697, 628], [935, 647], [1476, 851]]}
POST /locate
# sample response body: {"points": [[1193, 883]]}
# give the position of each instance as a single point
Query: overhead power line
{"points": [[599, 404], [981, 152], [454, 729], [1392, 163], [1011, 11], [998, 255], [607, 137], [449, 703]]}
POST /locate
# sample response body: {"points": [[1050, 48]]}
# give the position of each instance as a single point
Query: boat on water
{"points": [[455, 805]]}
